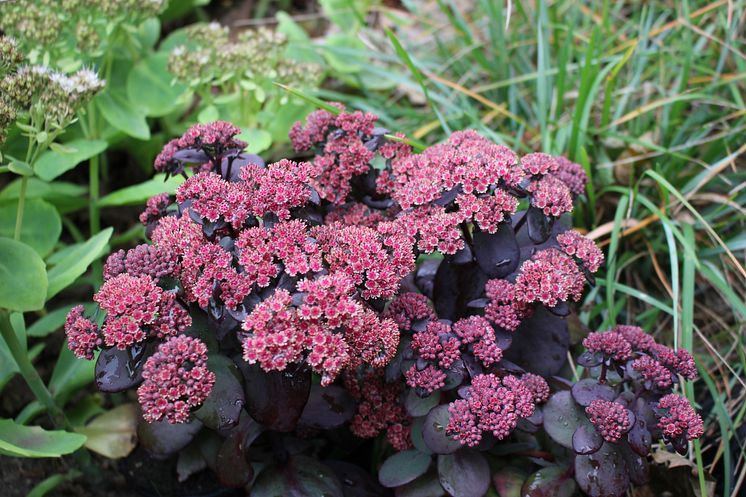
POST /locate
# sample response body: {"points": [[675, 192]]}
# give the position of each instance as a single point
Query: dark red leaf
{"points": [[552, 481], [276, 399], [300, 476], [434, 431], [465, 473], [497, 253], [587, 390], [603, 474], [327, 408], [586, 439], [540, 344], [562, 416]]}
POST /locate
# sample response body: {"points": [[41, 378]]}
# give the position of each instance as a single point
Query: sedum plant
{"points": [[289, 310]]}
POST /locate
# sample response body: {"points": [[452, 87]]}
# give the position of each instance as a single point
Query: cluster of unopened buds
{"points": [[322, 266]]}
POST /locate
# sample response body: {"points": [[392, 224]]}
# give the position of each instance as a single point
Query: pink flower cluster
{"points": [[328, 329], [155, 208], [539, 164], [550, 195], [679, 419], [136, 309], [441, 345], [549, 277], [503, 308], [493, 405], [212, 138], [409, 308], [215, 199], [142, 260], [487, 211], [611, 344], [538, 387], [279, 187], [176, 380], [571, 174], [577, 245], [379, 408], [612, 420], [83, 337]]}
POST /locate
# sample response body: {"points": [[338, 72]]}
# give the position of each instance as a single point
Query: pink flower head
{"points": [[427, 380], [503, 309], [612, 420], [144, 259], [550, 195], [610, 344], [155, 208], [487, 211], [571, 174], [318, 123], [681, 362], [654, 372], [279, 187], [83, 337], [208, 272], [477, 331], [371, 340], [539, 164], [164, 161], [215, 199], [256, 255], [328, 297], [492, 405], [178, 235], [549, 277], [176, 379], [131, 304], [577, 245], [293, 245], [409, 308], [638, 339], [214, 137], [379, 408], [680, 419], [433, 228], [538, 386], [356, 214]]}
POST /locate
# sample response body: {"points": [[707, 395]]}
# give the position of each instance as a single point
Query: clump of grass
{"points": [[650, 101]]}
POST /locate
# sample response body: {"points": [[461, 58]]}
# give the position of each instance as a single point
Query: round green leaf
{"points": [[150, 84], [32, 441], [23, 276], [403, 467], [41, 226], [53, 163], [124, 114], [259, 140]]}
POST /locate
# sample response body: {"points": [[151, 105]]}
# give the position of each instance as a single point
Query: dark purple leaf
{"points": [[327, 408], [420, 406], [434, 431], [356, 482], [464, 473], [586, 439], [540, 344], [637, 465], [539, 225], [416, 433], [446, 289], [480, 303], [603, 474], [537, 418], [508, 481], [300, 476], [425, 277], [191, 156], [225, 403], [119, 370], [276, 399], [497, 253], [163, 439], [424, 486], [589, 359], [473, 365], [562, 416], [587, 390], [463, 256], [233, 465], [552, 481], [190, 462], [455, 375], [561, 309], [403, 467], [448, 196]]}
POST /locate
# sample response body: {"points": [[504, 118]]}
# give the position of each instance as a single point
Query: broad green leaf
{"points": [[53, 163], [259, 140], [299, 46], [70, 375], [208, 114], [150, 84], [20, 168], [41, 226], [76, 262], [113, 434], [23, 277], [32, 441], [123, 114], [341, 51], [138, 194]]}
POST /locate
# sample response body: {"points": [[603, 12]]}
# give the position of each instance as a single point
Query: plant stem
{"points": [[29, 373], [21, 205]]}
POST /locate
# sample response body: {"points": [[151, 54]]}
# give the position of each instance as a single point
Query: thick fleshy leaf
{"points": [[18, 440], [53, 163], [446, 289], [539, 225], [419, 406], [356, 482], [223, 406], [141, 192], [23, 276], [151, 85], [497, 253], [637, 465], [76, 261], [163, 439], [562, 416], [276, 399], [113, 434], [552, 481], [424, 486], [434, 431], [425, 277], [416, 433], [41, 226], [190, 462], [586, 439], [508, 481], [465, 473], [403, 467], [589, 359], [119, 370], [603, 474], [300, 476], [233, 465], [327, 408], [587, 390], [540, 343], [123, 114]]}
